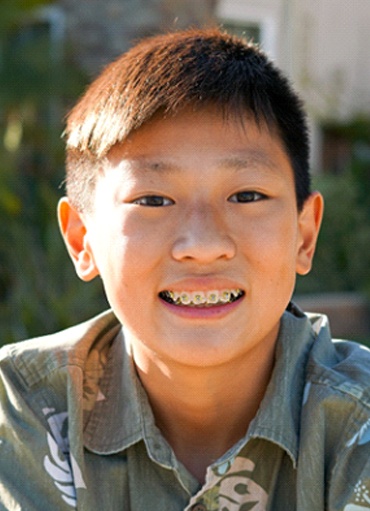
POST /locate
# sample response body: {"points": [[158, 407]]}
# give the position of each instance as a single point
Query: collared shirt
{"points": [[77, 431]]}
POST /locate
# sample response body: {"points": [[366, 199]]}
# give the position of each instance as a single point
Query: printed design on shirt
{"points": [[362, 498], [362, 436], [93, 372], [60, 464], [234, 488]]}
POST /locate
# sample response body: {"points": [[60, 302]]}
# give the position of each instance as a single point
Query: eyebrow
{"points": [[251, 158], [254, 159]]}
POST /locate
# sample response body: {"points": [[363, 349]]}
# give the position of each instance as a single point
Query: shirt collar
{"points": [[278, 418], [115, 422], [123, 416]]}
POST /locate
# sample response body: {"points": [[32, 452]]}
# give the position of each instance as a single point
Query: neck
{"points": [[202, 412]]}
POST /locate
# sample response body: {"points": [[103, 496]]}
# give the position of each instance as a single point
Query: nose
{"points": [[203, 236]]}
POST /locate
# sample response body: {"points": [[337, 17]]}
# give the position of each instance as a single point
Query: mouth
{"points": [[201, 299]]}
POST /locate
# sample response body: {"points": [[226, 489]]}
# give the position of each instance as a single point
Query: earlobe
{"points": [[74, 233], [309, 226]]}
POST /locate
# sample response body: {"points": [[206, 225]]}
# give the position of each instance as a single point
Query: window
{"points": [[250, 31], [252, 21]]}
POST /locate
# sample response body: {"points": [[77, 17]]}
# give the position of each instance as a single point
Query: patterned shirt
{"points": [[77, 431]]}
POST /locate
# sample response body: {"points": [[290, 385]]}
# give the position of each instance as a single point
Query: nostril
{"points": [[205, 249]]}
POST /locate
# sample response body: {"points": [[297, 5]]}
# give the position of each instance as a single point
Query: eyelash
{"points": [[243, 197], [247, 196], [158, 201]]}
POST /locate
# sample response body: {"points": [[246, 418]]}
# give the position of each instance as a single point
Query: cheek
{"points": [[138, 236], [126, 259], [269, 247], [272, 239]]}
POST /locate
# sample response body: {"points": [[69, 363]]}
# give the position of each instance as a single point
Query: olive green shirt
{"points": [[77, 431]]}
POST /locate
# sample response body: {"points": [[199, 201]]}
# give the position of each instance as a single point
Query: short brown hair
{"points": [[168, 72]]}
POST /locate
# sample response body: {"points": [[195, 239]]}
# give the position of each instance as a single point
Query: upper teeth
{"points": [[204, 297]]}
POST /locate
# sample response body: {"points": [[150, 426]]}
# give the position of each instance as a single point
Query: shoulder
{"points": [[335, 396], [336, 363], [340, 364], [334, 430], [33, 360], [41, 390], [336, 420], [336, 400]]}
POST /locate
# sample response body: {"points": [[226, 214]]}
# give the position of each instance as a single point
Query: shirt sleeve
{"points": [[334, 462], [350, 481], [35, 468]]}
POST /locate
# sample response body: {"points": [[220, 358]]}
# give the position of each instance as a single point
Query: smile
{"points": [[201, 298]]}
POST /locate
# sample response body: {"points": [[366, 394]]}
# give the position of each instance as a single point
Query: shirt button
{"points": [[199, 507]]}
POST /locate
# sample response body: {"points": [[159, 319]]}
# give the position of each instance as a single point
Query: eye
{"points": [[153, 201], [247, 196]]}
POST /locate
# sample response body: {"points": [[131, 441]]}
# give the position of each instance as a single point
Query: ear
{"points": [[309, 223], [74, 232]]}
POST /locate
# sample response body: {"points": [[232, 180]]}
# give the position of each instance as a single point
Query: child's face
{"points": [[197, 206]]}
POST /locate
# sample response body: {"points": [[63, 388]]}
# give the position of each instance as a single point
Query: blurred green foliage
{"points": [[39, 291], [13, 10], [342, 260]]}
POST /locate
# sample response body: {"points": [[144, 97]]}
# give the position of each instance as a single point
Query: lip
{"points": [[216, 312], [202, 284]]}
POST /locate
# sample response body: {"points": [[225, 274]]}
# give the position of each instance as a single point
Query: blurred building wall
{"points": [[323, 44], [332, 64], [100, 30]]}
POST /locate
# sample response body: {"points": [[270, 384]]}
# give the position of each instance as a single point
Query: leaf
{"points": [[241, 489], [248, 505]]}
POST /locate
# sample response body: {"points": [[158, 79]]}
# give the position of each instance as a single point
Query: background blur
{"points": [[49, 51]]}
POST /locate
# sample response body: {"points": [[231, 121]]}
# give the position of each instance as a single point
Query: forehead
{"points": [[234, 139]]}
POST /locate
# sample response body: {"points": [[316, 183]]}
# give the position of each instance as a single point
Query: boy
{"points": [[204, 388]]}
